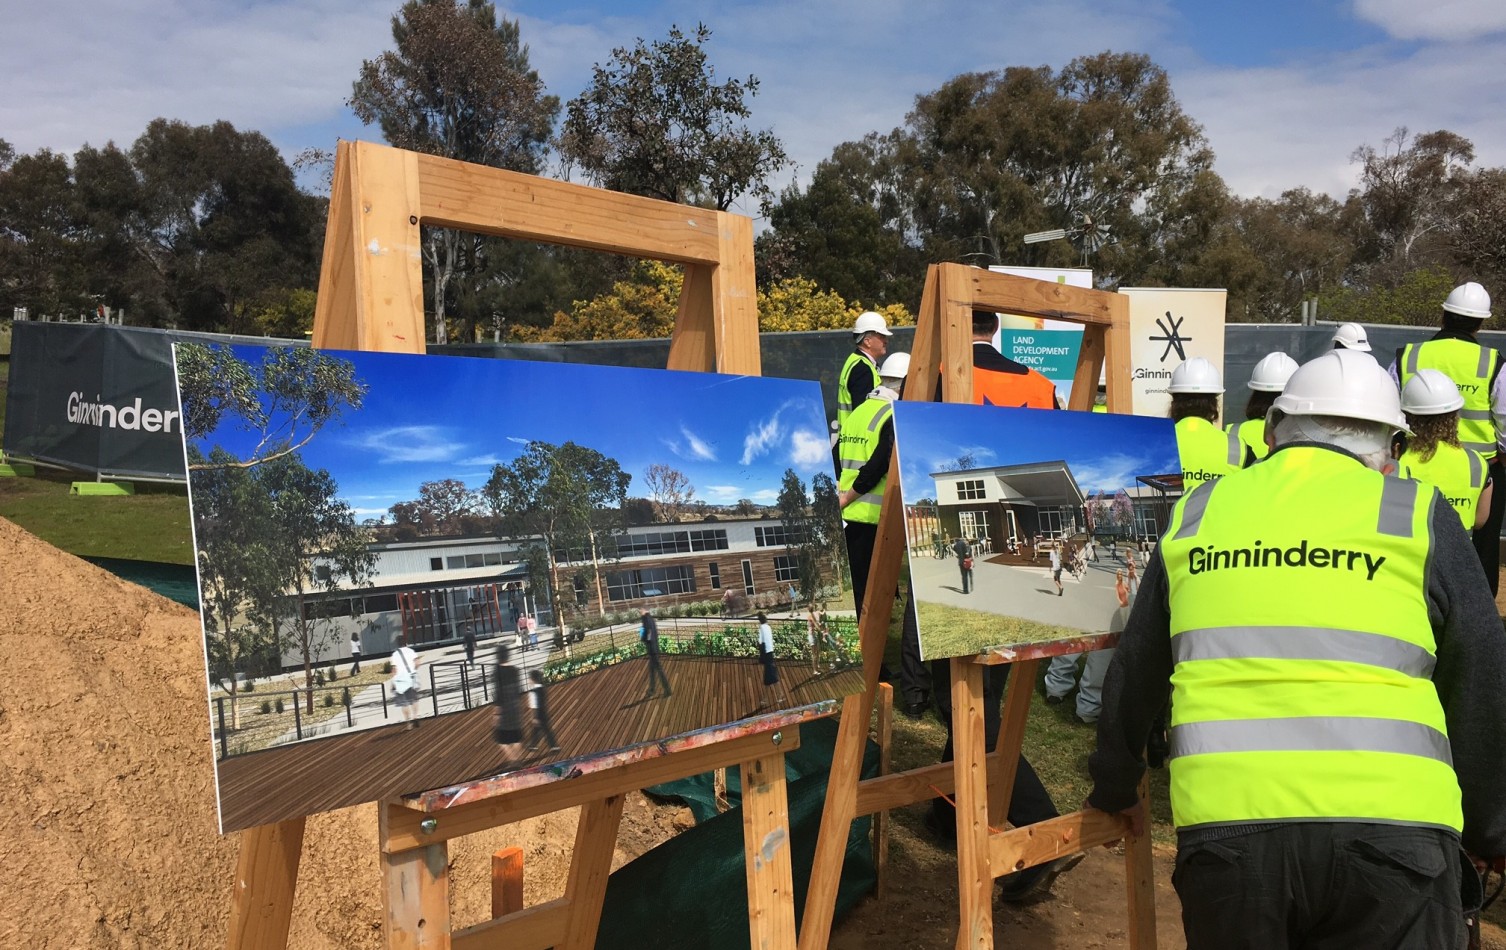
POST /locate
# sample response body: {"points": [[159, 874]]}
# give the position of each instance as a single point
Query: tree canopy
{"points": [[653, 121]]}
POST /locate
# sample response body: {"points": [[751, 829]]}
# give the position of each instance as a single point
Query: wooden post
{"points": [[881, 818], [595, 840], [1139, 873], [766, 837], [265, 879], [975, 883], [507, 881], [416, 895]]}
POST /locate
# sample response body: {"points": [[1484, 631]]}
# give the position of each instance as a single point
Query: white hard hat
{"points": [[1272, 372], [1468, 300], [870, 322], [1196, 375], [1346, 384], [897, 366], [1351, 336], [1430, 393]]}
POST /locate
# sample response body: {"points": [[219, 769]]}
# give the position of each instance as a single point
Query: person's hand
{"points": [[1137, 820], [1482, 865]]}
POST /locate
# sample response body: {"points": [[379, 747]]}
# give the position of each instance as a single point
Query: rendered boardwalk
{"points": [[597, 712]]}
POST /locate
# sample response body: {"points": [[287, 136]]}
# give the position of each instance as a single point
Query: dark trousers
{"points": [[543, 731], [967, 578], [656, 673], [1323, 886], [914, 674], [860, 541], [1029, 802], [355, 663], [1488, 535]]}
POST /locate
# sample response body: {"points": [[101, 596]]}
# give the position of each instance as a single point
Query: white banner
{"points": [[1048, 346], [1168, 326]]}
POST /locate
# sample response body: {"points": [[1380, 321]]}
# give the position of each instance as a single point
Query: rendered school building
{"points": [[432, 589], [1006, 503]]}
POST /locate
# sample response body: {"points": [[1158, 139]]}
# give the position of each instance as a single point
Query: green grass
{"points": [[151, 525], [960, 631]]}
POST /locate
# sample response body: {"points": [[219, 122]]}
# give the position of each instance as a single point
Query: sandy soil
{"points": [[107, 823]]}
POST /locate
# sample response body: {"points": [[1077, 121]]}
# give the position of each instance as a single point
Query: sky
{"points": [[732, 436], [1103, 452], [1286, 90]]}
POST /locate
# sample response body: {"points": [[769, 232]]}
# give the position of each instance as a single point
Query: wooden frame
{"points": [[981, 779], [371, 298]]}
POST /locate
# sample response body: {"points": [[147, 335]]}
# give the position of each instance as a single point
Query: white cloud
{"points": [[765, 496], [1439, 20], [485, 461], [1110, 472], [808, 449], [691, 447], [761, 438], [721, 494], [407, 444]]}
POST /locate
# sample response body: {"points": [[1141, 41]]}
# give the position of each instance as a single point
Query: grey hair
{"points": [[1370, 441]]}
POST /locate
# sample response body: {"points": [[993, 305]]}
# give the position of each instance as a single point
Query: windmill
{"points": [[1088, 234]]}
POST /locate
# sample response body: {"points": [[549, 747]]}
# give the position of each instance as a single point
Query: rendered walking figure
{"points": [[649, 634], [355, 653], [1056, 567], [507, 699], [538, 701], [405, 681], [964, 554]]}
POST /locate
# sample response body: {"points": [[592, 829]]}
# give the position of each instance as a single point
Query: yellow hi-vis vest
{"points": [[1471, 367], [1458, 474], [1206, 451], [1302, 649], [855, 445], [855, 361], [1252, 433]]}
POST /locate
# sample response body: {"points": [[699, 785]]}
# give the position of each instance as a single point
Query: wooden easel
{"points": [[981, 780], [371, 298]]}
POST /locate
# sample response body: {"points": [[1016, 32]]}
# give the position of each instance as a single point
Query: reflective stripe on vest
{"points": [[1458, 474], [844, 406], [855, 446], [1251, 432], [1206, 451], [1472, 367], [1302, 649]]}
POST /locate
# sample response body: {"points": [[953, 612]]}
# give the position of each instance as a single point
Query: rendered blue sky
{"points": [[1285, 90], [433, 417], [1104, 452]]}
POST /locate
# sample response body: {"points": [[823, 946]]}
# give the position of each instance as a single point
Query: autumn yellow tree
{"points": [[644, 306]]}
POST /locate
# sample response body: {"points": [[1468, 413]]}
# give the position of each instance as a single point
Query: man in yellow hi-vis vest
{"points": [[1476, 370], [1334, 660], [864, 447], [860, 375], [1206, 451]]}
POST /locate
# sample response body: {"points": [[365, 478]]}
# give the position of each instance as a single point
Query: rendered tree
{"points": [[826, 522], [443, 507], [286, 399], [318, 547], [654, 122], [458, 83], [569, 495], [669, 491], [802, 540], [232, 525]]}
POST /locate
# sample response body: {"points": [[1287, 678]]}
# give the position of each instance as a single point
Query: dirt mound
{"points": [[107, 817]]}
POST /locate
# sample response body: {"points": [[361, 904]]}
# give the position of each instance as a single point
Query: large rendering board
{"points": [[1015, 493], [510, 521]]}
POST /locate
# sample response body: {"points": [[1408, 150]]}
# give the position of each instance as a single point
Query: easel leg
{"points": [[975, 882], [595, 840], [881, 820], [415, 894], [1012, 721], [265, 878], [766, 844], [1139, 873], [836, 819]]}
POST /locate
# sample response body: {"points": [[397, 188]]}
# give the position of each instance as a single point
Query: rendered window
{"points": [[786, 569], [971, 490]]}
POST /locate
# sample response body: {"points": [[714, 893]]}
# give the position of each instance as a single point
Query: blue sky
{"points": [[433, 417], [1285, 90], [1104, 452]]}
